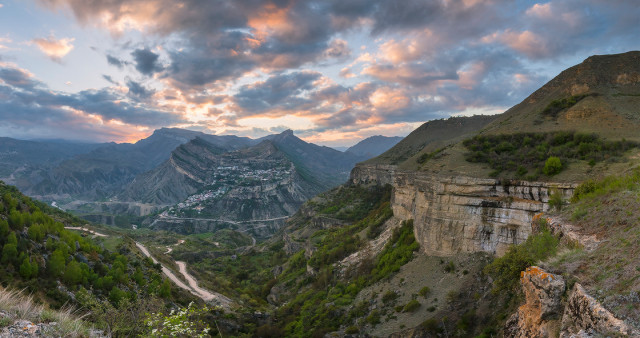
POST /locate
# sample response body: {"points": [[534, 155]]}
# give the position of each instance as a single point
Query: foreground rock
{"points": [[545, 314]]}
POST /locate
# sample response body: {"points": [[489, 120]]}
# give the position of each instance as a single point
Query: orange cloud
{"points": [[54, 49], [388, 99]]}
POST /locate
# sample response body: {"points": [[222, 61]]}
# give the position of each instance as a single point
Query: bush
{"points": [[506, 270], [351, 330], [412, 306], [424, 292], [389, 296], [450, 267], [432, 326], [373, 318], [524, 155], [552, 166], [555, 200]]}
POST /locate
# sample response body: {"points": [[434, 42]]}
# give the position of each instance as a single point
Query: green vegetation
{"points": [[529, 155], [552, 166], [412, 306], [424, 158], [350, 203], [556, 106], [425, 292], [506, 270], [185, 322], [58, 266], [322, 307]]}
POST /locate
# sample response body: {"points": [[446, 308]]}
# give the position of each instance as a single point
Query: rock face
{"points": [[540, 315], [454, 214], [545, 314], [585, 316]]}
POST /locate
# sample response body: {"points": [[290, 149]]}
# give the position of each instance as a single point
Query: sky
{"points": [[334, 71]]}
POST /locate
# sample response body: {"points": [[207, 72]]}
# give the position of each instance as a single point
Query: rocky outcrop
{"points": [[454, 214], [585, 316], [546, 314], [540, 314]]}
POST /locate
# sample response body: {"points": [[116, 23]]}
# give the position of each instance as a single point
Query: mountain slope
{"points": [[22, 162], [104, 171], [322, 166], [374, 145], [431, 135], [266, 181]]}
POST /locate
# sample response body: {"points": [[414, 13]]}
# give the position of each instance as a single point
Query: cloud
{"points": [[139, 91], [54, 49], [279, 94], [145, 61], [233, 60], [114, 61], [29, 105], [338, 48]]}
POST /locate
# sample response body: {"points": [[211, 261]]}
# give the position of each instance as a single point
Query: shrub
{"points": [[432, 326], [389, 296], [185, 322], [424, 292], [450, 267], [555, 200], [412, 306], [552, 166], [373, 318], [506, 270], [351, 330]]}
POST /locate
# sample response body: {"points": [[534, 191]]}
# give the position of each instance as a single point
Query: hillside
{"points": [[373, 146], [104, 171], [106, 277], [431, 136]]}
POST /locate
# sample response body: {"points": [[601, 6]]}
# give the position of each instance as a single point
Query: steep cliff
{"points": [[454, 214]]}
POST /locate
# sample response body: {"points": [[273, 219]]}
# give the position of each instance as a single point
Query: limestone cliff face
{"points": [[545, 314], [454, 214]]}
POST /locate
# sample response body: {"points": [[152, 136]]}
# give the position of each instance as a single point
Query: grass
{"points": [[22, 307]]}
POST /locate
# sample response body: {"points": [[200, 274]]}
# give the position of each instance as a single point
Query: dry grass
{"points": [[20, 306]]}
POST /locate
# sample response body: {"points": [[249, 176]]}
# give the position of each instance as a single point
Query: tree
{"points": [[25, 268], [72, 273], [552, 166], [9, 253], [36, 232], [165, 289], [4, 229], [56, 263]]}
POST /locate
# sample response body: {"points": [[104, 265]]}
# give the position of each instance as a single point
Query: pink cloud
{"points": [[54, 49], [526, 42]]}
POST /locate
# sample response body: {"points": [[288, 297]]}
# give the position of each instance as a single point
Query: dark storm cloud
{"points": [[146, 61], [282, 91]]}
